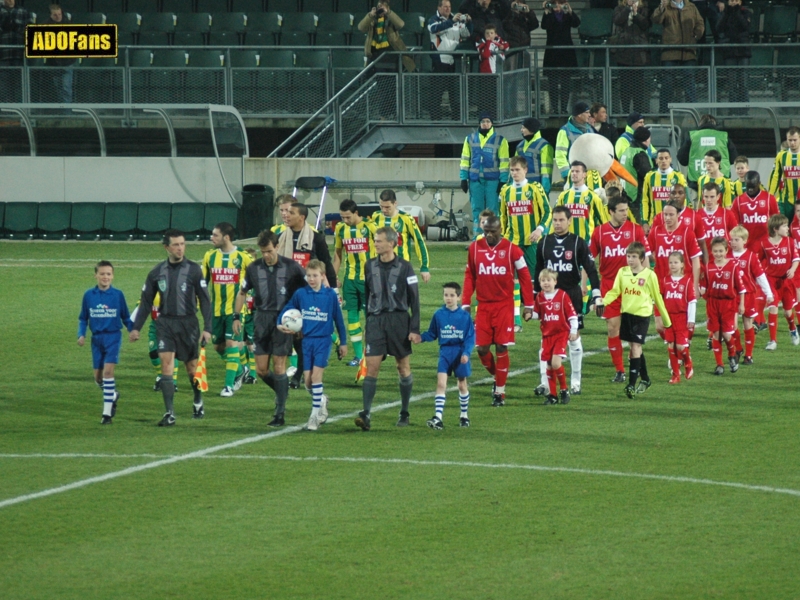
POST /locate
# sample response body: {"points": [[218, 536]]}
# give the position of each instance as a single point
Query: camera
{"points": [[520, 7], [379, 10], [550, 5]]}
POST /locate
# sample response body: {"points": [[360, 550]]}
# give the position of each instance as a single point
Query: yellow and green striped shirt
{"points": [[523, 208], [407, 231], [357, 245], [224, 272], [655, 191], [588, 211], [725, 188], [785, 178]]}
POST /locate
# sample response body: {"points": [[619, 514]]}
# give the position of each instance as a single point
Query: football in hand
{"points": [[292, 319]]}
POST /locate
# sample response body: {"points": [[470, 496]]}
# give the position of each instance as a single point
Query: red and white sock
{"points": [[551, 381], [749, 341], [773, 327], [716, 346], [487, 360], [615, 350], [562, 377], [501, 369]]}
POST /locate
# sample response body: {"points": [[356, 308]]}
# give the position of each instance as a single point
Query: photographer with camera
{"points": [[382, 25], [519, 24], [486, 12], [447, 31], [557, 21]]}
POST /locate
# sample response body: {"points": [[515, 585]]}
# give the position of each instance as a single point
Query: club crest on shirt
{"points": [[678, 239], [726, 275], [762, 203], [641, 282], [718, 220], [681, 288], [784, 251], [626, 235], [568, 255], [556, 305]]}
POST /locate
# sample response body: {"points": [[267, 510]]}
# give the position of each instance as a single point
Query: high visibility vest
{"points": [[486, 158], [704, 140], [532, 151], [626, 160]]}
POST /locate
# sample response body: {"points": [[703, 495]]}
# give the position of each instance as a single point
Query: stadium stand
{"points": [[87, 218], [22, 220], [153, 219], [53, 219], [188, 217], [120, 219]]}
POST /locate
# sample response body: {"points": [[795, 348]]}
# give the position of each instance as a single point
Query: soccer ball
{"points": [[292, 319]]}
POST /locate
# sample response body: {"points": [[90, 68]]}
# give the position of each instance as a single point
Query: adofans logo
{"points": [[71, 41]]}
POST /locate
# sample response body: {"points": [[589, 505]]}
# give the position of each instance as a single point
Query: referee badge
{"points": [[162, 285]]}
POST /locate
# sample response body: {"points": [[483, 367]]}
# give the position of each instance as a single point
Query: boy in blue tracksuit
{"points": [[320, 308], [454, 329], [104, 311]]}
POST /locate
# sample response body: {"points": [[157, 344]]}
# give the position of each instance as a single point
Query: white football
{"points": [[293, 319]]}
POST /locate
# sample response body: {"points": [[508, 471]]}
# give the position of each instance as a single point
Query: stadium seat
{"points": [[160, 22], [423, 6], [410, 38], [177, 6], [282, 59], [233, 21], [120, 218], [154, 219], [755, 22], [318, 6], [788, 57], [334, 22], [109, 6], [596, 25], [346, 65], [247, 6], [170, 58], [224, 38], [155, 38], [219, 212], [20, 218], [259, 38], [140, 58], [188, 217], [283, 6], [414, 21], [2, 216], [42, 9], [762, 56], [53, 219], [87, 18], [211, 6], [358, 7], [246, 59], [305, 22], [331, 38], [143, 7], [188, 38], [87, 218], [197, 22], [125, 22], [780, 22], [265, 22], [102, 62], [206, 58], [312, 59], [295, 38]]}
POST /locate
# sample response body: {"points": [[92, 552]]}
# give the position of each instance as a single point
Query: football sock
{"points": [[438, 402], [761, 303], [109, 391], [575, 361], [517, 302], [368, 389], [561, 374], [551, 381], [737, 339], [155, 360], [175, 373], [615, 350], [243, 359], [501, 369], [463, 399], [731, 345], [354, 333], [281, 387], [293, 359], [232, 365], [716, 346], [673, 361], [633, 370], [198, 395], [749, 341], [487, 360], [790, 320], [269, 379], [543, 371], [773, 327], [316, 397], [406, 385], [168, 392], [643, 368], [687, 359], [252, 360]]}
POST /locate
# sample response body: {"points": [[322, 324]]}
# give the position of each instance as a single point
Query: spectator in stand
{"points": [[491, 51], [734, 26], [62, 81], [558, 20], [632, 22], [710, 11], [518, 26], [447, 31], [382, 25], [682, 24], [486, 12], [699, 142], [598, 118], [13, 20]]}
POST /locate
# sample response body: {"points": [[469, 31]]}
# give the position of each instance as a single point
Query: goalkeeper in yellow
{"points": [[223, 268]]}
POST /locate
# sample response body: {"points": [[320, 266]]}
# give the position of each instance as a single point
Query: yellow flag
{"points": [[200, 374], [362, 370]]}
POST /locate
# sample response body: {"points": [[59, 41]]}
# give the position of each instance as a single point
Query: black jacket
{"points": [[495, 13], [559, 34], [518, 26], [734, 26]]}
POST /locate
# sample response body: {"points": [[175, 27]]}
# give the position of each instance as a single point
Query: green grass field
{"points": [[689, 491]]}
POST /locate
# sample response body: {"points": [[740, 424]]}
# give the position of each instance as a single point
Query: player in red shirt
{"points": [[779, 258], [717, 219], [756, 284], [681, 303], [794, 231], [689, 216], [491, 267], [725, 296], [609, 243], [559, 323], [673, 235]]}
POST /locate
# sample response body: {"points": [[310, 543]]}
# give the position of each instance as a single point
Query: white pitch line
{"points": [[248, 440], [439, 463]]}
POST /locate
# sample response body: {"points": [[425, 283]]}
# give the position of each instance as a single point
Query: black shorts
{"points": [[178, 335], [387, 333], [633, 328], [576, 295], [266, 337]]}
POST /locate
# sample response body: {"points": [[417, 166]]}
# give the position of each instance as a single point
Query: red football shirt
{"points": [[663, 243], [718, 223], [751, 269], [689, 217], [724, 282], [611, 243], [494, 268], [777, 258], [554, 313], [753, 214], [678, 293]]}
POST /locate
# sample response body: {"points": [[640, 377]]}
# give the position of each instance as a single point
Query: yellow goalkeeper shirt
{"points": [[638, 292]]}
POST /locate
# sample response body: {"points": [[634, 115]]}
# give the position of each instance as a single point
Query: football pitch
{"points": [[688, 491]]}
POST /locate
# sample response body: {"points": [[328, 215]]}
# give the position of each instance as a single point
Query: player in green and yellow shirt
{"points": [[407, 230], [712, 162], [223, 268], [657, 185], [585, 205], [354, 244], [784, 181]]}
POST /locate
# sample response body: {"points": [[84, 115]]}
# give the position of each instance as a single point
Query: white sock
{"points": [[543, 371], [575, 361], [109, 393]]}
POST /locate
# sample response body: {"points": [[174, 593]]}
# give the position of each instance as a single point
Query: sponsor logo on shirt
{"points": [[102, 311], [312, 313], [356, 245], [224, 276], [517, 209], [579, 211]]}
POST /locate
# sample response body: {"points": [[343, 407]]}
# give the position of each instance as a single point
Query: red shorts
{"points": [[679, 332], [721, 314], [784, 292], [494, 324], [615, 308], [554, 345], [751, 304]]}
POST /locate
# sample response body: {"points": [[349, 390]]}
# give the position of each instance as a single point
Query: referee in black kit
{"points": [[180, 283]]}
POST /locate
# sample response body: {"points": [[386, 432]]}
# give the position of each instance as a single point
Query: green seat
{"points": [[120, 218], [304, 21], [359, 8], [161, 22], [140, 58], [277, 59], [87, 217], [20, 217], [154, 38], [422, 6], [206, 58], [259, 38], [87, 18], [219, 212], [596, 25], [331, 38], [125, 22], [265, 22], [188, 38], [188, 217], [312, 59], [318, 6], [53, 218], [337, 22], [210, 6], [780, 22], [154, 218], [197, 22], [143, 6], [414, 21], [169, 58], [349, 59], [788, 57], [99, 62], [233, 21], [109, 6], [177, 6], [224, 38], [410, 38], [244, 59], [247, 6], [283, 6], [295, 38], [762, 56]]}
